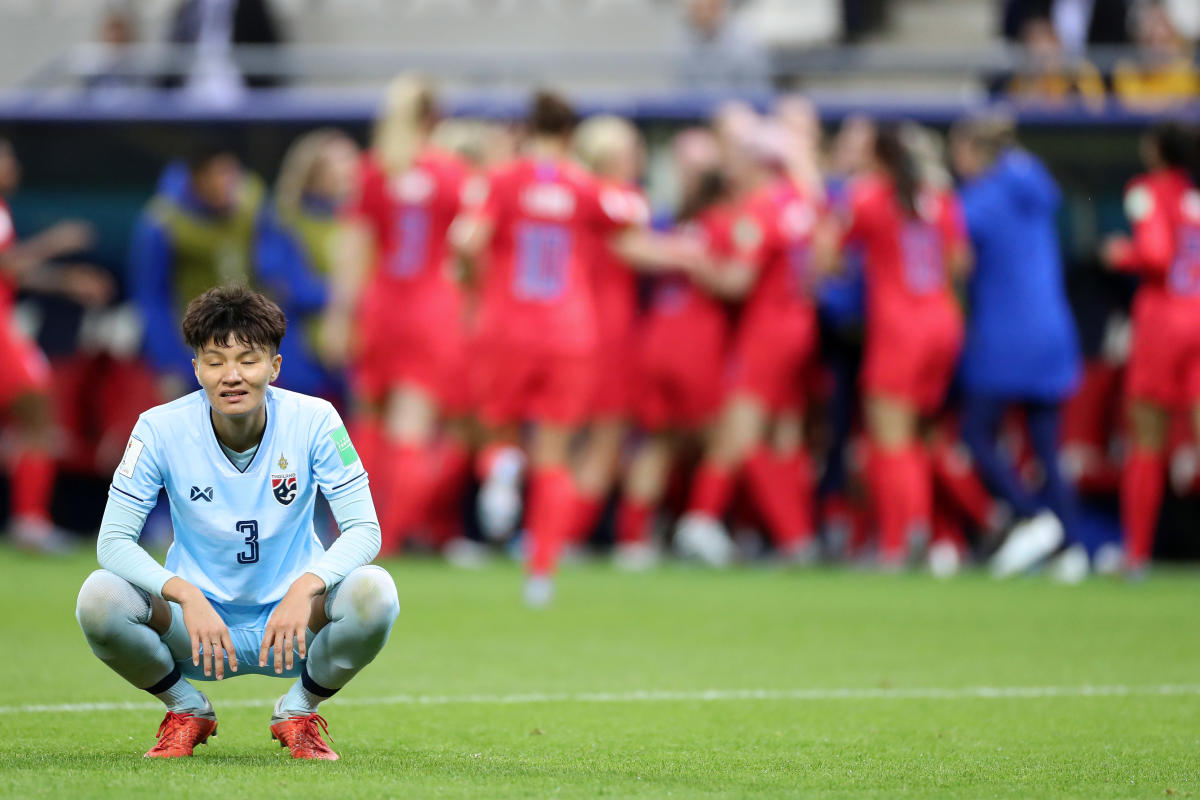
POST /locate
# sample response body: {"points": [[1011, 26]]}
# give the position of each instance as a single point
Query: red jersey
{"points": [[615, 282], [8, 237], [773, 234], [679, 308], [410, 215], [1164, 210], [549, 221], [904, 257]]}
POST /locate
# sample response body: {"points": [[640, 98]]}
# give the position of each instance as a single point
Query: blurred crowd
{"points": [[827, 348], [1054, 37]]}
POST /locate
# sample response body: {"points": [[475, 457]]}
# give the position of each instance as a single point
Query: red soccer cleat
{"points": [[302, 736], [179, 734]]}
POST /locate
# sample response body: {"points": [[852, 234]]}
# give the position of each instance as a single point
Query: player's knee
{"points": [[373, 601], [106, 601]]}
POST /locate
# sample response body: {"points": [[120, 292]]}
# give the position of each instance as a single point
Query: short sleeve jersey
{"points": [[615, 281], [773, 233], [904, 257], [549, 218], [241, 537], [674, 293], [1164, 211], [409, 216]]}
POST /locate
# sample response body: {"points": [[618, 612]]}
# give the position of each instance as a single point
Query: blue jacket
{"points": [[1021, 337]]}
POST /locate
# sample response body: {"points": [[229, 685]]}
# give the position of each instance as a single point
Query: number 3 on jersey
{"points": [[249, 529], [542, 258]]}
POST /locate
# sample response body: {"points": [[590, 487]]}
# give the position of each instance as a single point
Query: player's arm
{"points": [[22, 259], [1150, 250], [471, 233], [133, 494], [353, 249]]}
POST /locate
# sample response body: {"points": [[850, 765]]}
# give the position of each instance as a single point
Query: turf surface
{"points": [[475, 696]]}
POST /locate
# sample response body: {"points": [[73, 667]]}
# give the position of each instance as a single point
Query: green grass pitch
{"points": [[604, 695]]}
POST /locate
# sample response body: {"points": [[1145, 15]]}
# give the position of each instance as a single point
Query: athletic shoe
{"points": [[539, 591], [945, 560], [301, 734], [179, 734], [499, 507], [801, 554], [1071, 566], [703, 538], [40, 536], [635, 557], [1027, 545]]}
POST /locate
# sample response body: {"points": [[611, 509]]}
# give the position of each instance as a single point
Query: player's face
{"points": [[235, 376]]}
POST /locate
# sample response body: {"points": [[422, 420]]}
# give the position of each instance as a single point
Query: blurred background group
{"points": [[156, 148]]}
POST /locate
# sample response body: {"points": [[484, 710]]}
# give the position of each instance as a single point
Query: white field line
{"points": [[653, 696]]}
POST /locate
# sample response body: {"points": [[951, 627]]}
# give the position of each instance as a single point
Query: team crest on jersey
{"points": [[284, 487], [747, 234]]}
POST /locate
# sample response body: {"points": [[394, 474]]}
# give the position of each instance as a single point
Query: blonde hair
{"points": [[409, 106], [295, 173], [928, 152], [467, 138], [599, 138]]}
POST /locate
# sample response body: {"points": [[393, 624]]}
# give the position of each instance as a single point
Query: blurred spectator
{"points": [[1050, 77], [114, 73], [195, 233], [213, 28], [1021, 349], [1163, 74], [719, 51], [295, 249], [1078, 23]]}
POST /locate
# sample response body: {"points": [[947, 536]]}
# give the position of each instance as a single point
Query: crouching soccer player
{"points": [[246, 580]]}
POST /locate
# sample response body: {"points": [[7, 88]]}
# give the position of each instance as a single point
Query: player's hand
{"points": [[87, 285], [208, 633], [287, 628], [70, 236], [1111, 250]]}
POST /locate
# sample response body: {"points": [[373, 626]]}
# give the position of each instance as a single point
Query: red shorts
{"points": [[772, 358], [395, 349], [1164, 363], [913, 362], [613, 395], [513, 384], [23, 367], [680, 375]]}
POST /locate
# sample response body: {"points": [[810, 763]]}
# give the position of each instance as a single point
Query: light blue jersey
{"points": [[241, 536]]}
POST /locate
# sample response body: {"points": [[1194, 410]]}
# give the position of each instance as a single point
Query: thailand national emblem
{"points": [[283, 485]]}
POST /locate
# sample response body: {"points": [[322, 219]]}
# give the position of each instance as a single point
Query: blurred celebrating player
{"points": [[246, 580], [396, 276], [913, 242], [1163, 207], [612, 149], [24, 371], [776, 338], [534, 229]]}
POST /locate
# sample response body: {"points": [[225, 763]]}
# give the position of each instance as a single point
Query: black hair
{"points": [[708, 190], [891, 151], [233, 312], [551, 115]]}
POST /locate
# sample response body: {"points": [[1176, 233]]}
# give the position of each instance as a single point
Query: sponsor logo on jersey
{"points": [[284, 487], [345, 448], [415, 186], [205, 494], [133, 451], [548, 200]]}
